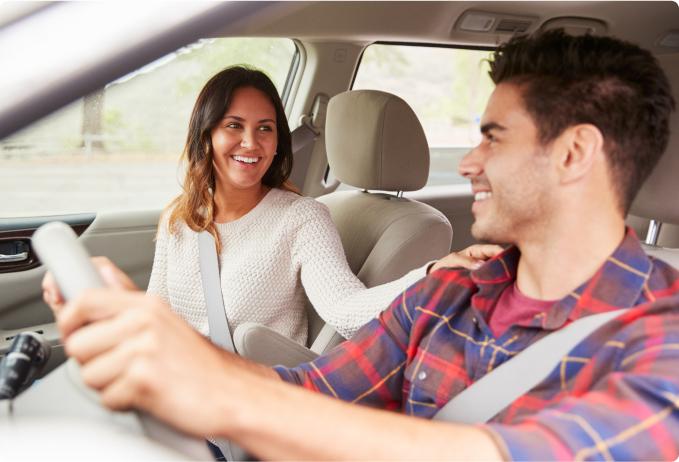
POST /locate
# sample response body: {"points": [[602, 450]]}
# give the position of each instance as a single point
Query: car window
{"points": [[446, 87], [118, 148]]}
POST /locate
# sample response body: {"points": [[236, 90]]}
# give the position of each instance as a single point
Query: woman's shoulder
{"points": [[300, 207], [170, 227]]}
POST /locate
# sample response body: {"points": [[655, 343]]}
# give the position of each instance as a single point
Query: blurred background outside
{"points": [[119, 148]]}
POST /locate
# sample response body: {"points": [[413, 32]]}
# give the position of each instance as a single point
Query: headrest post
{"points": [[653, 232]]}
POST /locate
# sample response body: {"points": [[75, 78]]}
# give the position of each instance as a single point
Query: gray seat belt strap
{"points": [[216, 314], [499, 388], [301, 137], [212, 288]]}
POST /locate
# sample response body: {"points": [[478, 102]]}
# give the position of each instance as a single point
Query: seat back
{"points": [[657, 199], [374, 141]]}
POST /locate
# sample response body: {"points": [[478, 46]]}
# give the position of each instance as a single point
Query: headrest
{"points": [[657, 199], [375, 141]]}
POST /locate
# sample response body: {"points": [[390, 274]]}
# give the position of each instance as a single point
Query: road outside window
{"points": [[446, 87], [118, 148]]}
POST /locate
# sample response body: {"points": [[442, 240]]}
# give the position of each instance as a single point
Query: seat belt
{"points": [[220, 334], [212, 288], [302, 136], [496, 390], [310, 125]]}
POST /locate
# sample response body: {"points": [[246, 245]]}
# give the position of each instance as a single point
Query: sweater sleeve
{"points": [[158, 282], [338, 296]]}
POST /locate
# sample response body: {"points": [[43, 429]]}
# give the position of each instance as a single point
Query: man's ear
{"points": [[579, 146]]}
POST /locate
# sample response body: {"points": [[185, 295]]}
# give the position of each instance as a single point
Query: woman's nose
{"points": [[248, 140]]}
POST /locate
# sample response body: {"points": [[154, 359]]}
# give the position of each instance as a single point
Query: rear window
{"points": [[446, 87]]}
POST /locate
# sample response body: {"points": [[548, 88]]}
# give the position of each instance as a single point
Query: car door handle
{"points": [[22, 256]]}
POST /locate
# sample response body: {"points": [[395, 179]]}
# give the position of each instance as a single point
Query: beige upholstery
{"points": [[657, 199], [385, 236], [374, 141], [671, 256], [267, 346]]}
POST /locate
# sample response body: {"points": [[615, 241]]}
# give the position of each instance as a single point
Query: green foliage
{"points": [[470, 87], [446, 87], [150, 109], [113, 121], [211, 56], [387, 60]]}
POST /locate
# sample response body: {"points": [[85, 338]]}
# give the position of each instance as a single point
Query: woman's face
{"points": [[244, 141]]}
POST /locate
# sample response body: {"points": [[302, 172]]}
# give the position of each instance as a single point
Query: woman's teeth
{"points": [[247, 160], [482, 195]]}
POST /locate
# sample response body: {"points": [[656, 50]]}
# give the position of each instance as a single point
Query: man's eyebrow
{"points": [[240, 119], [485, 128]]}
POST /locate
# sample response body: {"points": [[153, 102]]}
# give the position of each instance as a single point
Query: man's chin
{"points": [[488, 235]]}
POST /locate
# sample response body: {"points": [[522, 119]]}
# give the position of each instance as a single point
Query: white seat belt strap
{"points": [[212, 288], [499, 388], [220, 334]]}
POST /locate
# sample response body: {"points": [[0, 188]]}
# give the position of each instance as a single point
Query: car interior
{"points": [[383, 99]]}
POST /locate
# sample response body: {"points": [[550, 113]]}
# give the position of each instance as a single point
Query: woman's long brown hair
{"points": [[195, 205]]}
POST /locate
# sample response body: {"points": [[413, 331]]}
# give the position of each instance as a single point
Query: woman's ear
{"points": [[578, 147]]}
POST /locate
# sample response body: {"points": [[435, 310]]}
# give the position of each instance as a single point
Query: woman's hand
{"points": [[110, 273], [470, 258]]}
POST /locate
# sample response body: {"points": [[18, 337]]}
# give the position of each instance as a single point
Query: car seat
{"points": [[374, 142]]}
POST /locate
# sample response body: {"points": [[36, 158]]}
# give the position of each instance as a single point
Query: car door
{"points": [[107, 164]]}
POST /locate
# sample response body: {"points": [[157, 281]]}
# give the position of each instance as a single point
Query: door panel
{"points": [[124, 237]]}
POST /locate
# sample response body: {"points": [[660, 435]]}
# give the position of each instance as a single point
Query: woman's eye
{"points": [[265, 128], [233, 125]]}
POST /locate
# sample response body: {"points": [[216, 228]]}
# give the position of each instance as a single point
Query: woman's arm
{"points": [[158, 281], [340, 298]]}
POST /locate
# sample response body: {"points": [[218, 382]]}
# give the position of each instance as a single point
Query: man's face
{"points": [[511, 173]]}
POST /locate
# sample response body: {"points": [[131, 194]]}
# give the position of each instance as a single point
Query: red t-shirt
{"points": [[513, 308]]}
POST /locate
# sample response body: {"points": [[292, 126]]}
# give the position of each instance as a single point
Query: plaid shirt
{"points": [[614, 396]]}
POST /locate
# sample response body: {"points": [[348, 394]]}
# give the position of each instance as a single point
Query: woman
{"points": [[274, 245]]}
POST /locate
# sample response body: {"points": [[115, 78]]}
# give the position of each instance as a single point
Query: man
{"points": [[573, 128]]}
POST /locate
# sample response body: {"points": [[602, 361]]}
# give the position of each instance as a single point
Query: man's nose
{"points": [[471, 164]]}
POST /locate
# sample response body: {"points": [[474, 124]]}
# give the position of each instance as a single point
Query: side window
{"points": [[446, 87], [118, 148]]}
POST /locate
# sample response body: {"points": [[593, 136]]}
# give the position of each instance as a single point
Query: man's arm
{"points": [[139, 354], [289, 422]]}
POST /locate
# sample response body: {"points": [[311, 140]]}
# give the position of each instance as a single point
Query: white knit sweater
{"points": [[283, 248]]}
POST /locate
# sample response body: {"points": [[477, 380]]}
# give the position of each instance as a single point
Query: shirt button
{"points": [[422, 375], [474, 320]]}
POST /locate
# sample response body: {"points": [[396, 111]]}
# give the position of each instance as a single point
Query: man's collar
{"points": [[617, 284]]}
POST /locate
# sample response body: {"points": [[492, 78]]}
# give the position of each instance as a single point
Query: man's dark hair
{"points": [[614, 85]]}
